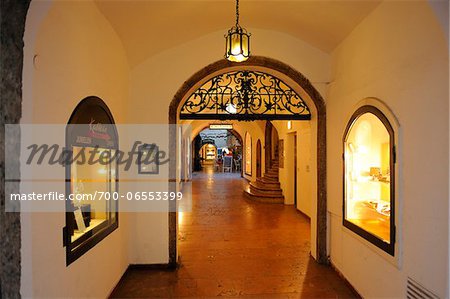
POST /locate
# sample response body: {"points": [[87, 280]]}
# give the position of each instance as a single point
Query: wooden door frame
{"points": [[258, 159], [268, 144], [294, 135]]}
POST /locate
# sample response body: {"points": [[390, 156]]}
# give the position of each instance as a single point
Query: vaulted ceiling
{"points": [[147, 27]]}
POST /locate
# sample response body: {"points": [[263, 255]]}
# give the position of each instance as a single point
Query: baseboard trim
{"points": [[167, 266], [303, 214], [358, 295], [118, 281]]}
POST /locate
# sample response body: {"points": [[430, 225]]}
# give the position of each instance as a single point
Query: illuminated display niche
{"points": [[369, 155], [92, 138]]}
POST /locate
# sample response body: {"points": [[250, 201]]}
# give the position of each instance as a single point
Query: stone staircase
{"points": [[266, 188]]}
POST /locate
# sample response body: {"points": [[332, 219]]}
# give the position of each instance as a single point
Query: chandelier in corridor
{"points": [[245, 95], [237, 47]]}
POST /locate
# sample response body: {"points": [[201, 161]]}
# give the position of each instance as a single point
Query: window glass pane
{"points": [[368, 176], [91, 185]]}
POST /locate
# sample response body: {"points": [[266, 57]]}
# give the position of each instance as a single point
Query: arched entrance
{"points": [[197, 143], [208, 153], [269, 65]]}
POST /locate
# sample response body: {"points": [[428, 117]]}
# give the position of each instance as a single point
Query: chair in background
{"points": [[228, 164], [217, 165], [237, 165]]}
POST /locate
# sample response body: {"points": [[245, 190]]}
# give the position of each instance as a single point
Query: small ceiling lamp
{"points": [[237, 46]]}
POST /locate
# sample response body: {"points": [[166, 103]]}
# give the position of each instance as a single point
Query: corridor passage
{"points": [[233, 247]]}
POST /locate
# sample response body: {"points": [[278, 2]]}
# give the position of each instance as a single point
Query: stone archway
{"points": [[303, 82], [12, 32]]}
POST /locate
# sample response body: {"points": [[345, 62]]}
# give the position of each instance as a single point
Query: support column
{"points": [[12, 30]]}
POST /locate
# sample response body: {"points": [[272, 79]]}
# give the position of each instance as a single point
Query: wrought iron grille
{"points": [[245, 95]]}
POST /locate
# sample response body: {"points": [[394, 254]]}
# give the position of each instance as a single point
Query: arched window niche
{"points": [[248, 154], [91, 177], [369, 177]]}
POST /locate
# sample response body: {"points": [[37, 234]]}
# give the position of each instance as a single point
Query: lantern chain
{"points": [[237, 12]]}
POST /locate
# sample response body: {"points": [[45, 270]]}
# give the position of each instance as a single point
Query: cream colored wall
{"points": [[399, 55], [155, 82], [78, 55], [305, 164]]}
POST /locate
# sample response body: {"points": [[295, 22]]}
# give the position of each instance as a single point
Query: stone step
{"points": [[267, 199], [269, 180], [274, 184], [265, 189], [260, 193], [271, 175]]}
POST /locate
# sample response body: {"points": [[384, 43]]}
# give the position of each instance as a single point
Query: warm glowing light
{"points": [[180, 218], [237, 54], [289, 125], [231, 109], [237, 58], [220, 126], [368, 176], [237, 47]]}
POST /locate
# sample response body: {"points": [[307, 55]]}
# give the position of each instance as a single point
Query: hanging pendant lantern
{"points": [[237, 47]]}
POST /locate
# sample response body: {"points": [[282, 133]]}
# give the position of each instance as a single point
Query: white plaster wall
{"points": [[155, 82], [305, 164], [78, 55], [398, 54]]}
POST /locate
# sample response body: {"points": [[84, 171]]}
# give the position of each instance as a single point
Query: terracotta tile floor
{"points": [[230, 246]]}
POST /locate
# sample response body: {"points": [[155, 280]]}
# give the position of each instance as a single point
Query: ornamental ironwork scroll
{"points": [[245, 95]]}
